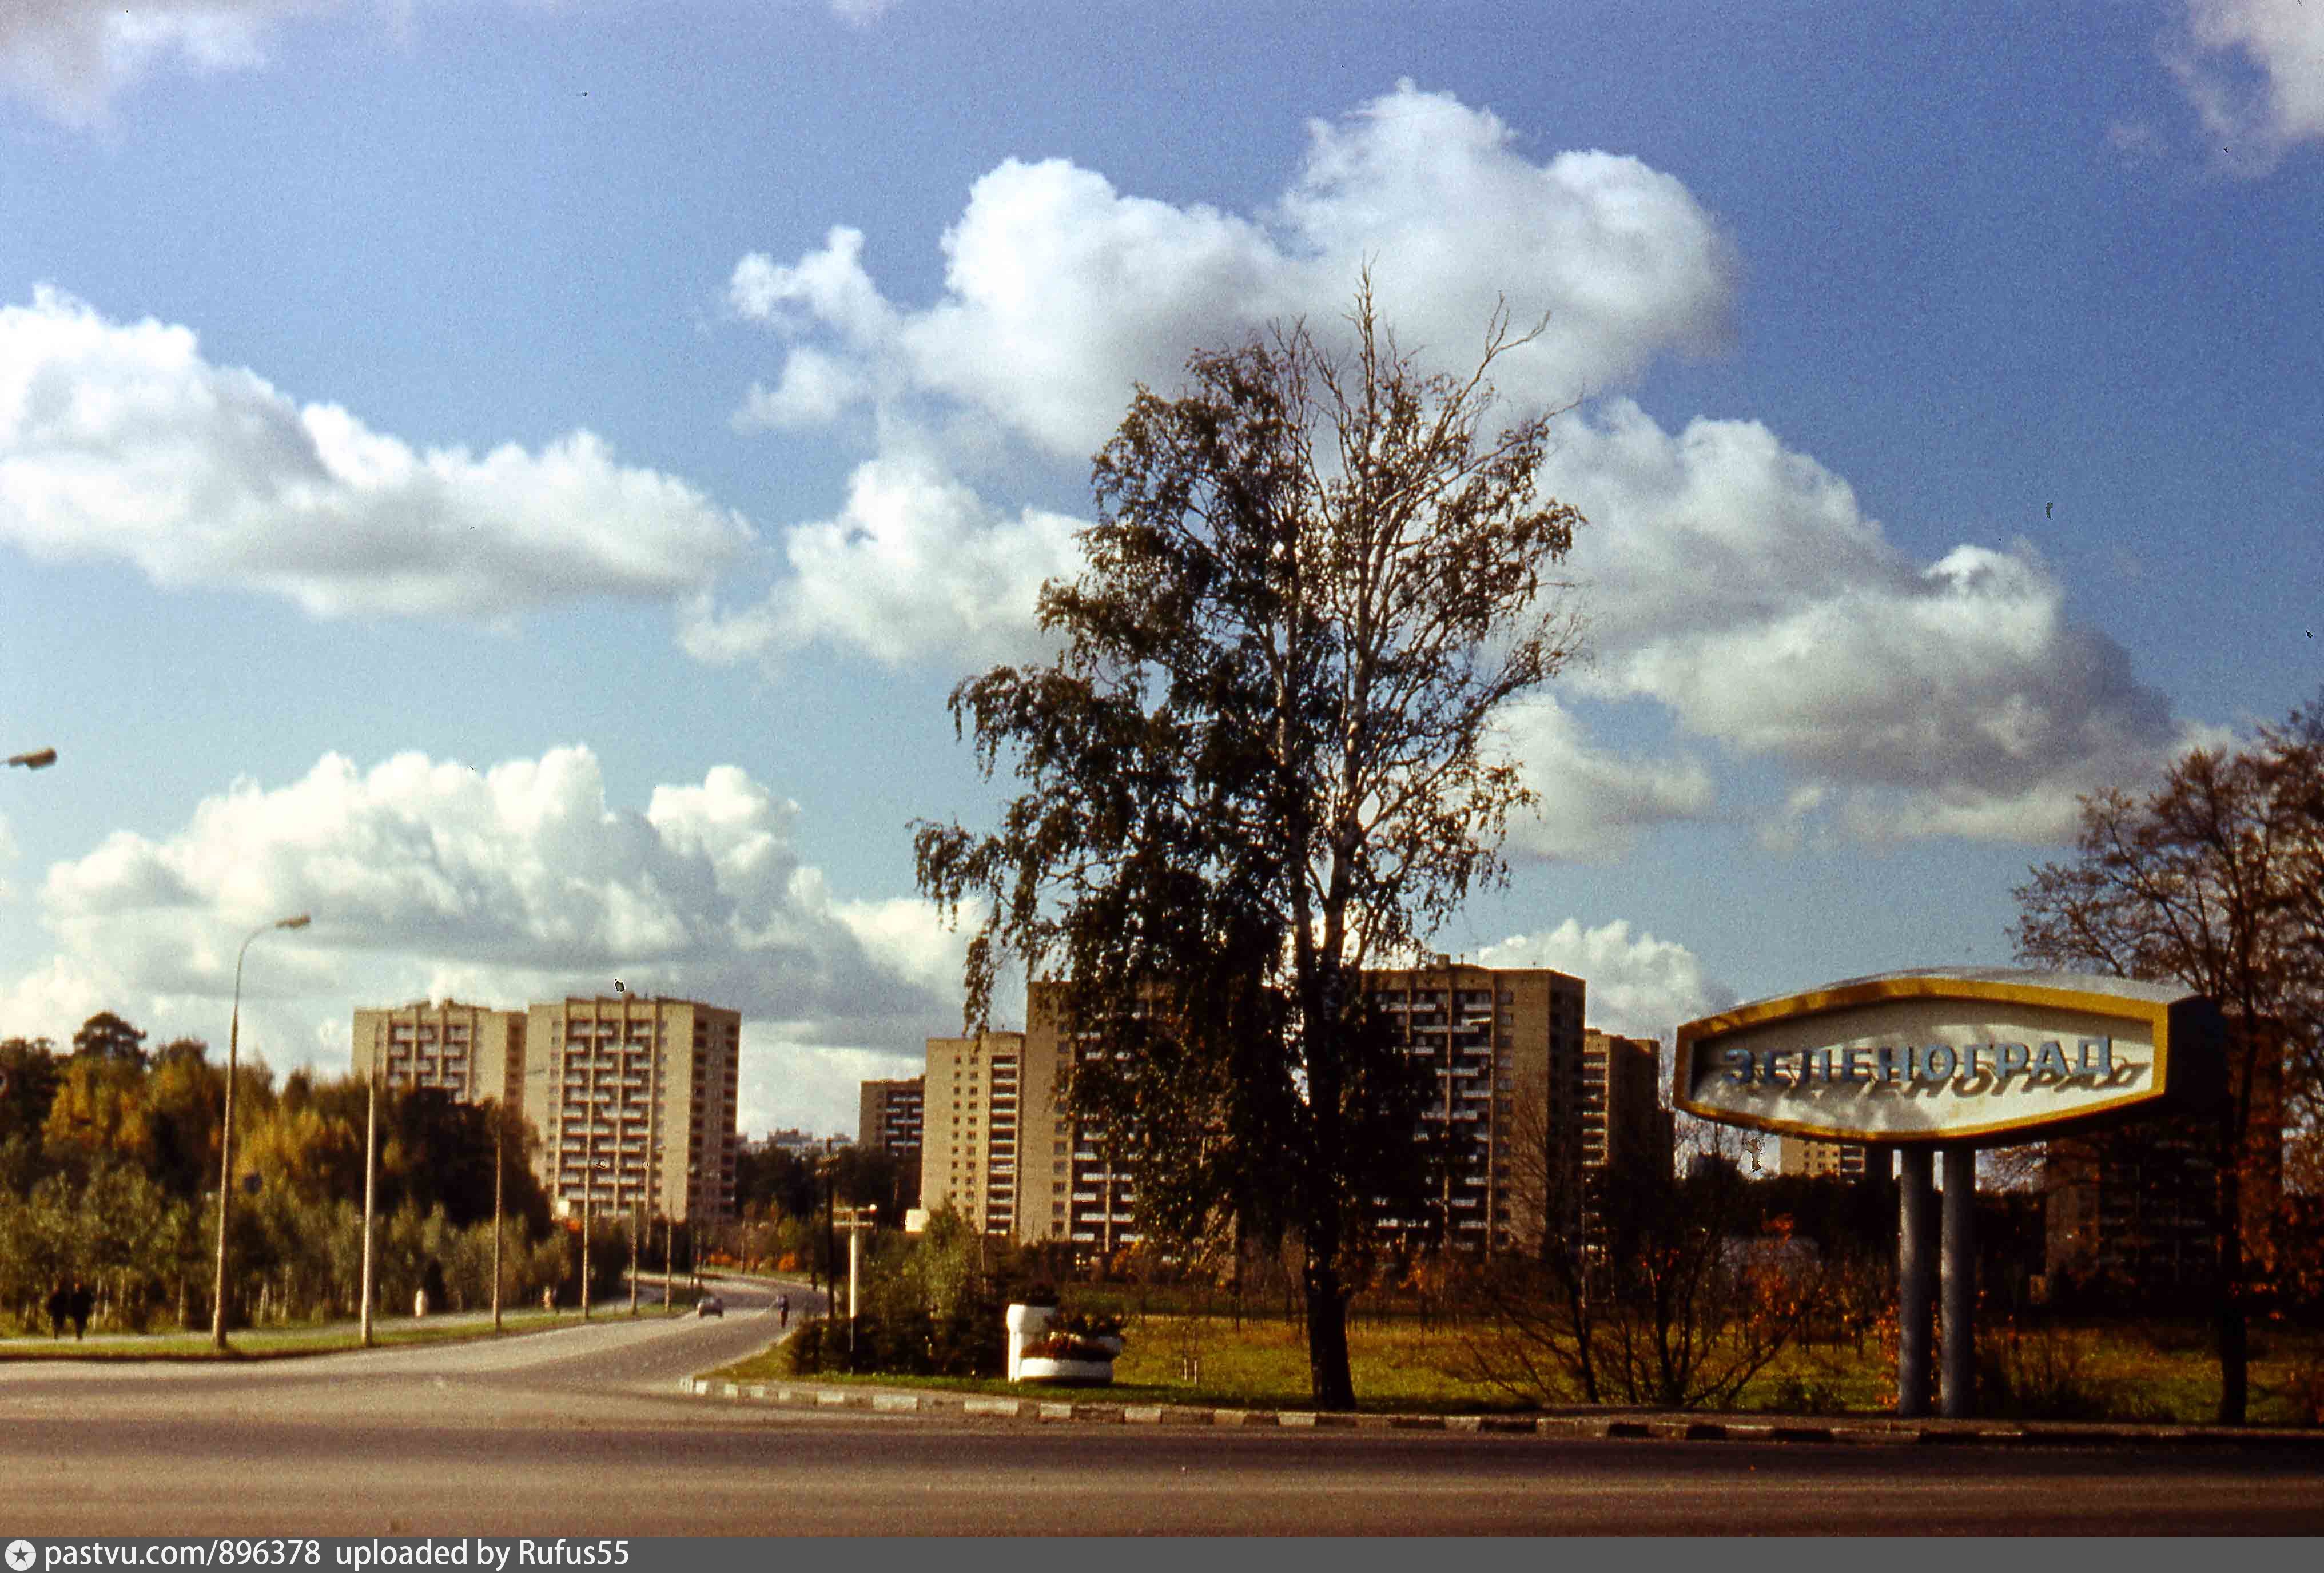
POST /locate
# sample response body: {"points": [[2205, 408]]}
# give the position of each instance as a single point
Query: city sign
{"points": [[1971, 1056]]}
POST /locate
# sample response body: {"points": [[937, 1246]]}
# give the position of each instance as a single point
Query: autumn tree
{"points": [[1262, 761], [2211, 881], [106, 1037]]}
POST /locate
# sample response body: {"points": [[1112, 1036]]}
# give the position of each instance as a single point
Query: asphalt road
{"points": [[582, 1432]]}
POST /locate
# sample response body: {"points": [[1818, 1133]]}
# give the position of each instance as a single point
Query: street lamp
{"points": [[36, 760], [225, 1141]]}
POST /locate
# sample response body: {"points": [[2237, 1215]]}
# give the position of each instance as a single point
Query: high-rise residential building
{"points": [[1816, 1159], [1622, 1118], [472, 1051], [635, 1099], [1512, 1088], [1505, 1047], [891, 1117]]}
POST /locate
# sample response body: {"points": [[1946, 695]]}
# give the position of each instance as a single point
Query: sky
{"points": [[519, 479]]}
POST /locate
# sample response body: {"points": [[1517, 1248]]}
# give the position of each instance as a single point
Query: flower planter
{"points": [[1066, 1373]]}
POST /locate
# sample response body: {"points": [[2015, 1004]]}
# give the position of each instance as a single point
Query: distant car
{"points": [[710, 1305]]}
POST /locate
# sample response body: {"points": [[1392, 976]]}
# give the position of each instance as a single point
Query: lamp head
{"points": [[302, 921]]}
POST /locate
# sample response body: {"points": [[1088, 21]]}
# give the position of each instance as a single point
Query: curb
{"points": [[1862, 1432]]}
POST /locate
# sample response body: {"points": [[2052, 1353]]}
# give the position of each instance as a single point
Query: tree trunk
{"points": [[1327, 1336], [2234, 1327]]}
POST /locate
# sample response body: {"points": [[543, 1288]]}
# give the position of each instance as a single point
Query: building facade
{"points": [[892, 1116], [1514, 1086], [636, 1101], [1816, 1159], [472, 1051]]}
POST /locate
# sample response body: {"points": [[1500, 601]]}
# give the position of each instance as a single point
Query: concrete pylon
{"points": [[1957, 1392], [1916, 1280]]}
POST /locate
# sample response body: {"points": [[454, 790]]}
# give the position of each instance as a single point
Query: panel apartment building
{"points": [[636, 1101], [472, 1051], [1516, 1079], [639, 1093]]}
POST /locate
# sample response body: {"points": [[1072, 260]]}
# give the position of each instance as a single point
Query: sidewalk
{"points": [[1860, 1431]]}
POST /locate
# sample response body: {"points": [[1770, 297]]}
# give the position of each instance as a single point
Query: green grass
{"points": [[274, 1343], [2166, 1373]]}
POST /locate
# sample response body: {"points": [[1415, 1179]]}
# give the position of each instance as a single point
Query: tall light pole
{"points": [[225, 1140], [371, 1182]]}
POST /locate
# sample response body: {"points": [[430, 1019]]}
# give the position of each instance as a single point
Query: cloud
{"points": [[1642, 987], [120, 441], [1736, 583], [70, 57], [518, 882], [1061, 291], [1594, 805], [916, 565], [2254, 70]]}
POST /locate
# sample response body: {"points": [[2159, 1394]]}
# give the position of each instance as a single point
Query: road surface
{"points": [[584, 1432]]}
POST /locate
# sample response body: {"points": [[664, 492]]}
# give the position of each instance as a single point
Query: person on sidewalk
{"points": [[783, 1305]]}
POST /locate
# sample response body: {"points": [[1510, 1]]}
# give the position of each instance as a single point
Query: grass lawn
{"points": [[288, 1342], [2165, 1373]]}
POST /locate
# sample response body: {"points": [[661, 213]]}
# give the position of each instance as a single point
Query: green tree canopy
{"points": [[1262, 762]]}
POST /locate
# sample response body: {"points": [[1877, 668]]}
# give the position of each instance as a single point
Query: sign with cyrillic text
{"points": [[1982, 1057]]}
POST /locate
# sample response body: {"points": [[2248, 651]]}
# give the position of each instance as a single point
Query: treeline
{"points": [[109, 1169]]}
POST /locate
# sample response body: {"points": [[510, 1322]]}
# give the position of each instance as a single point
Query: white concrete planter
{"points": [[1064, 1373], [1028, 1325]]}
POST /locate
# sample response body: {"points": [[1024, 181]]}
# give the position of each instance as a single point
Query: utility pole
{"points": [[499, 1162], [371, 1184]]}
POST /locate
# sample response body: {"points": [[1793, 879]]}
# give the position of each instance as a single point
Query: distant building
{"points": [[2131, 1207], [1514, 1087], [472, 1051], [799, 1143], [1507, 1046], [635, 1099], [1814, 1159], [2135, 1206], [891, 1117]]}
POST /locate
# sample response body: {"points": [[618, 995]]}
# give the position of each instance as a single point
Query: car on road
{"points": [[710, 1305]]}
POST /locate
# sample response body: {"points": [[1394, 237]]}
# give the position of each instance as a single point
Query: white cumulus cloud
{"points": [[1638, 986], [1061, 291], [73, 56], [2254, 70], [120, 441], [519, 882], [1735, 581], [916, 565]]}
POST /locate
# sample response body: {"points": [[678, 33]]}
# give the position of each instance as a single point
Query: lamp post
{"points": [[34, 758], [225, 1140], [371, 1183]]}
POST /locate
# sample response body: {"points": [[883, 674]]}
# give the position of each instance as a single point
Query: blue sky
{"points": [[519, 479]]}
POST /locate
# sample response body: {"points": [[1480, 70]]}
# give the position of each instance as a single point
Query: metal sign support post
{"points": [[1916, 1280], [1957, 1394]]}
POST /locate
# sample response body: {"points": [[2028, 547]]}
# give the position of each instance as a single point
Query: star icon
{"points": [[21, 1555]]}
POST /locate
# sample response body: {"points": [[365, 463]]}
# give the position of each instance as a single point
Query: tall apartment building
{"points": [[891, 1115], [472, 1051], [1805, 1156], [1505, 1046], [634, 1099], [1621, 1117]]}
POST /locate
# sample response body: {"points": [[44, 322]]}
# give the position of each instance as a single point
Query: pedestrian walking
{"points": [[783, 1306], [83, 1304]]}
